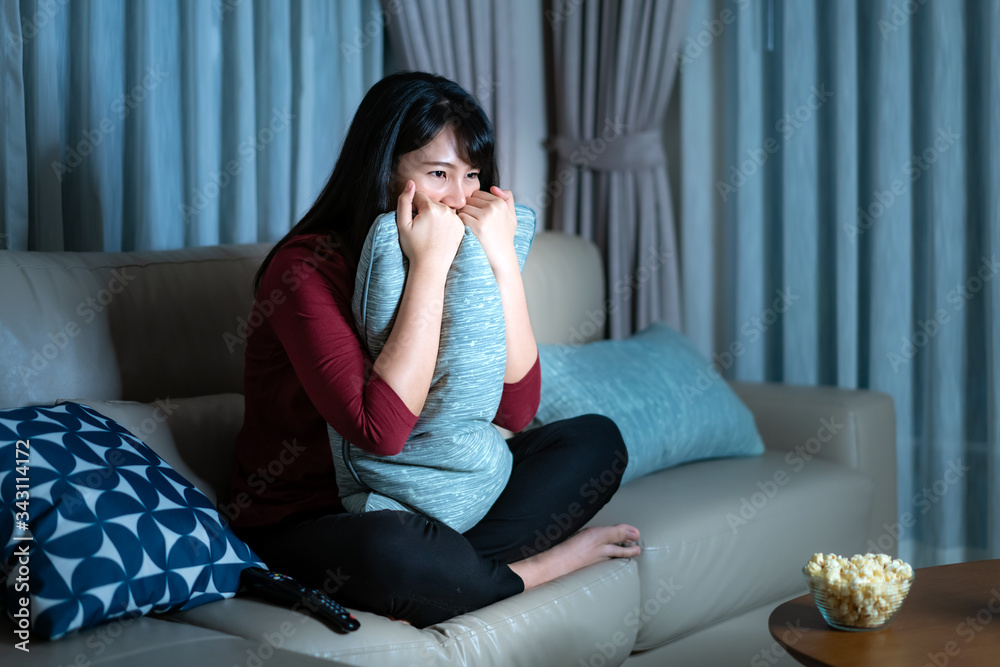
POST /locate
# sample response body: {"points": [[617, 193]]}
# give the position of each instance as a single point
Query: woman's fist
{"points": [[490, 216], [431, 235]]}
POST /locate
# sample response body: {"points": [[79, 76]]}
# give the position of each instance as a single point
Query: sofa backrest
{"points": [[132, 326], [141, 326]]}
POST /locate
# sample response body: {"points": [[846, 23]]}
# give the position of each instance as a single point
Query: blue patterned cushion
{"points": [[455, 463], [115, 529], [657, 389]]}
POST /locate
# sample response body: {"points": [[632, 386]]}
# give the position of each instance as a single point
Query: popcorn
{"points": [[860, 591]]}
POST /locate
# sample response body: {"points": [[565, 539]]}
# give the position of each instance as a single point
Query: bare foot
{"points": [[590, 545]]}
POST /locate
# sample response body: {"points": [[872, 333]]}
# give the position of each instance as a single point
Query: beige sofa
{"points": [[154, 340]]}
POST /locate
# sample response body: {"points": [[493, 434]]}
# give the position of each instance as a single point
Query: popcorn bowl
{"points": [[858, 603]]}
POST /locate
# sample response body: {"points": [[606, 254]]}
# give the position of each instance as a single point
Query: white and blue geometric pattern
{"points": [[116, 530], [455, 464]]}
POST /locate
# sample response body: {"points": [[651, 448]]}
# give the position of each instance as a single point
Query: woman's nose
{"points": [[454, 197]]}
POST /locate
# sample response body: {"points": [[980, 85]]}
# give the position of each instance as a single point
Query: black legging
{"points": [[408, 567]]}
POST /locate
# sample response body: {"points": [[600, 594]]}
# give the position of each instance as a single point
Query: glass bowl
{"points": [[866, 606]]}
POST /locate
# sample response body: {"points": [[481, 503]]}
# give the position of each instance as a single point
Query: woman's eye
{"points": [[474, 174], [437, 174]]}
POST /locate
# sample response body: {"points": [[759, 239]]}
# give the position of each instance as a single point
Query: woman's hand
{"points": [[490, 216], [433, 235], [430, 240]]}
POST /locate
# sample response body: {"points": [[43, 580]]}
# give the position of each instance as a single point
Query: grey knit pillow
{"points": [[454, 464]]}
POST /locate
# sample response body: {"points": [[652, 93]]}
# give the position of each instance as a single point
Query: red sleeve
{"points": [[519, 401], [315, 326]]}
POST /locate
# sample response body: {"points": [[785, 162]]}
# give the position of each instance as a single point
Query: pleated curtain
{"points": [[469, 42], [614, 67], [841, 226], [152, 124]]}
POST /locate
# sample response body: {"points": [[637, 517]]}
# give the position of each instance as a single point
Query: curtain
{"points": [[614, 66], [469, 42], [152, 124], [841, 226]]}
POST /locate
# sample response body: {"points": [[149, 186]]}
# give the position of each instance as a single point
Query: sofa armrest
{"points": [[856, 428]]}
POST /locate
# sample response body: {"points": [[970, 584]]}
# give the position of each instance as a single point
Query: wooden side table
{"points": [[950, 617]]}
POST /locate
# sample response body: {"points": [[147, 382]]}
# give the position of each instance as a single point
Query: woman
{"points": [[421, 145]]}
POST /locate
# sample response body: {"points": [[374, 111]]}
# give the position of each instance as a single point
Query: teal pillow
{"points": [[653, 385], [455, 463]]}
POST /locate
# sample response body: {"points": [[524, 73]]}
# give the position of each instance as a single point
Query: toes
{"points": [[616, 551], [626, 533]]}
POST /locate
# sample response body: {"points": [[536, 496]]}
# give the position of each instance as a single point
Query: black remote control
{"points": [[286, 591]]}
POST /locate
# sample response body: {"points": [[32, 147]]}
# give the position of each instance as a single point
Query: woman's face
{"points": [[438, 171]]}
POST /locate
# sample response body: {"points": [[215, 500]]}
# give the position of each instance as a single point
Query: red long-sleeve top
{"points": [[305, 368]]}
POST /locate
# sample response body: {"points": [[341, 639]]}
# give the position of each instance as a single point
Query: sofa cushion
{"points": [[584, 617], [657, 388], [152, 642], [114, 529], [728, 535], [454, 464]]}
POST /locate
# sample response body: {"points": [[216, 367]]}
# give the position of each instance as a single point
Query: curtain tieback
{"points": [[612, 150]]}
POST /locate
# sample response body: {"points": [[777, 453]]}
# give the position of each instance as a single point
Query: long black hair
{"points": [[401, 113]]}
